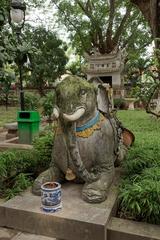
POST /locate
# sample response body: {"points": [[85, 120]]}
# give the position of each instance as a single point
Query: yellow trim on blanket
{"points": [[89, 131]]}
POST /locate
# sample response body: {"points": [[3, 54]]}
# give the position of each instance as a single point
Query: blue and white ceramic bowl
{"points": [[51, 196]]}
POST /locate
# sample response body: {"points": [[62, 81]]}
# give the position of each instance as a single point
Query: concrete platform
{"points": [[123, 229], [76, 221]]}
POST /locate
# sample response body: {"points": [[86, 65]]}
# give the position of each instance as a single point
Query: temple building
{"points": [[108, 68]]}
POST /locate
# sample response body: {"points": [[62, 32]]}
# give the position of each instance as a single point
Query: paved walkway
{"points": [[9, 234]]}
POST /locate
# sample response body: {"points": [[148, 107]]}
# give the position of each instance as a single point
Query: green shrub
{"points": [[21, 182], [31, 102], [140, 157], [14, 162], [120, 103], [43, 146], [19, 168], [48, 103], [139, 198]]}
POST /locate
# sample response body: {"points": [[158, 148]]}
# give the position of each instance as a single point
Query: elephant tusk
{"points": [[75, 116], [55, 113]]}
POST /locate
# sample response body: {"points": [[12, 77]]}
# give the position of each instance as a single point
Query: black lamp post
{"points": [[17, 20]]}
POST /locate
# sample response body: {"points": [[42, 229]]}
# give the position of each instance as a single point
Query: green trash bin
{"points": [[28, 126]]}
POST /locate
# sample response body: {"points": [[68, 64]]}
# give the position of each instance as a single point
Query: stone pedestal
{"points": [[131, 106], [130, 102], [76, 221]]}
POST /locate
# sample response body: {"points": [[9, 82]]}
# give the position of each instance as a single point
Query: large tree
{"points": [[101, 25], [49, 60], [151, 11]]}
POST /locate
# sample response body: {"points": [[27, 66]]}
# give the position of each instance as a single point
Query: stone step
{"points": [[10, 234], [77, 219], [7, 234], [28, 236]]}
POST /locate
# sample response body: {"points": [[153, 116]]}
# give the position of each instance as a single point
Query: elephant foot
{"points": [[96, 192], [46, 176]]}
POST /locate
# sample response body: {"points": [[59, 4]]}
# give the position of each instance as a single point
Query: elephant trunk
{"points": [[76, 158]]}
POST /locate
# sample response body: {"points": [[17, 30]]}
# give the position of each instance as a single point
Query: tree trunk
{"points": [[151, 11], [6, 101], [41, 87], [41, 91]]}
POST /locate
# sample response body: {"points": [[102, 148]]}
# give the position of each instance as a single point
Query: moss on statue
{"points": [[72, 91]]}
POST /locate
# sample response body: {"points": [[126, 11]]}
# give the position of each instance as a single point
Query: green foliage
{"points": [[3, 12], [102, 25], [31, 102], [13, 166], [135, 68], [43, 146], [48, 103], [141, 157], [14, 162], [140, 199], [120, 103], [140, 188], [49, 61], [76, 67], [22, 181], [144, 90], [19, 168], [7, 77]]}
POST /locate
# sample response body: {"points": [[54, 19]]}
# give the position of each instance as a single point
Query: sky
{"points": [[46, 17]]}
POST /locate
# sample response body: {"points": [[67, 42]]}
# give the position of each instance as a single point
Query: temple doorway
{"points": [[107, 79]]}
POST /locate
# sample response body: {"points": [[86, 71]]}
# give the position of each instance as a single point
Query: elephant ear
{"points": [[103, 102]]}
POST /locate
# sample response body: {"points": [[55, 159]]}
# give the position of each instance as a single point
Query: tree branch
{"points": [[148, 109], [144, 6], [121, 27], [74, 26], [132, 36], [95, 25], [110, 24]]}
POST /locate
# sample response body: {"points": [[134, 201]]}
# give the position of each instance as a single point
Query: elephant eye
{"points": [[83, 92]]}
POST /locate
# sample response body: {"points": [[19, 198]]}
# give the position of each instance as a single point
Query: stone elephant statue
{"points": [[87, 141]]}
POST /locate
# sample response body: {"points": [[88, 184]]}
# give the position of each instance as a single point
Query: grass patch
{"points": [[7, 116], [10, 115], [140, 188]]}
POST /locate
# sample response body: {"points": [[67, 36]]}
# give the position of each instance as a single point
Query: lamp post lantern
{"points": [[17, 20]]}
